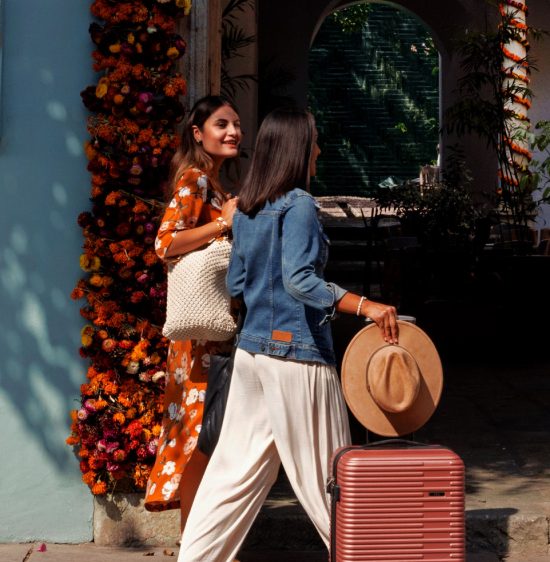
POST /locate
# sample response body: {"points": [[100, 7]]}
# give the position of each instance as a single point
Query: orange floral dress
{"points": [[195, 203]]}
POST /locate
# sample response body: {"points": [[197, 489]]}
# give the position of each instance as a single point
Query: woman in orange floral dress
{"points": [[197, 211]]}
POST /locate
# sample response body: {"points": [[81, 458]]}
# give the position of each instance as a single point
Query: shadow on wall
{"points": [[41, 371], [44, 185]]}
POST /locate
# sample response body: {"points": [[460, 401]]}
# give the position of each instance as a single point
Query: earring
{"points": [[199, 142]]}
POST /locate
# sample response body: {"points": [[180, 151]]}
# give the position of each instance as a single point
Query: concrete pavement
{"points": [[91, 553]]}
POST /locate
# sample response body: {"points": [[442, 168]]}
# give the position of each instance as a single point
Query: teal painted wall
{"points": [[44, 185]]}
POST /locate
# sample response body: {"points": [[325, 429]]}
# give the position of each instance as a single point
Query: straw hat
{"points": [[392, 389]]}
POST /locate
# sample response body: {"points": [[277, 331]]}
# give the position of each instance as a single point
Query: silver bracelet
{"points": [[360, 304]]}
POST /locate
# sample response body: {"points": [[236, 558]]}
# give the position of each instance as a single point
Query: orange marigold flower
{"points": [[72, 439], [74, 415], [83, 453], [100, 405], [131, 413], [77, 293], [120, 418], [140, 351], [99, 488], [89, 478], [156, 430], [134, 429], [140, 207], [150, 257], [113, 198], [110, 388], [75, 427]]}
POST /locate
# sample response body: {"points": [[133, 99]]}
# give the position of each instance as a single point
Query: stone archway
{"points": [[286, 29]]}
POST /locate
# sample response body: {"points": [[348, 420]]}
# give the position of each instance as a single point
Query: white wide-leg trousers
{"points": [[278, 410]]}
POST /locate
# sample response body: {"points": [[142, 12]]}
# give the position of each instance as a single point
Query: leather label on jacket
{"points": [[282, 336]]}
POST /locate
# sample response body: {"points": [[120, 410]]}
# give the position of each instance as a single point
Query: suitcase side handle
{"points": [[390, 442]]}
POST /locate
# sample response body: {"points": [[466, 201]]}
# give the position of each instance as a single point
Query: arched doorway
{"points": [[374, 92]]}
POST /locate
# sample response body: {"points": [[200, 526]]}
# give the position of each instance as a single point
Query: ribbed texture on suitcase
{"points": [[399, 504]]}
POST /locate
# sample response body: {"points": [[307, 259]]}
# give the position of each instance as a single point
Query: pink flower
{"points": [[146, 97], [90, 405], [153, 445], [82, 414]]}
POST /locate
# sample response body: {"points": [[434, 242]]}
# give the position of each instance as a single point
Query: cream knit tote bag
{"points": [[198, 304]]}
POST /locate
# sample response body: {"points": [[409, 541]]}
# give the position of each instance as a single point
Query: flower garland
{"points": [[517, 5], [515, 58], [520, 35], [518, 149], [133, 137], [514, 75]]}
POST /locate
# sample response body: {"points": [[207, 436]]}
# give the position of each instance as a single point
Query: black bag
{"points": [[217, 391]]}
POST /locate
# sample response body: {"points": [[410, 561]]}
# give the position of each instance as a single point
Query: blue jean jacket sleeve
{"points": [[235, 275], [301, 249]]}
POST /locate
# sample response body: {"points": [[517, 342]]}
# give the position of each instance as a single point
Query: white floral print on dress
{"points": [[173, 410], [202, 395], [193, 396], [169, 468], [189, 445], [167, 490], [179, 375]]}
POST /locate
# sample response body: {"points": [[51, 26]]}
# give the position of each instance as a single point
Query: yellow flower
{"points": [[101, 90], [104, 81], [86, 335], [155, 358], [172, 53], [156, 430], [85, 262], [97, 280], [139, 48], [131, 38], [115, 48], [145, 435], [95, 264], [186, 4]]}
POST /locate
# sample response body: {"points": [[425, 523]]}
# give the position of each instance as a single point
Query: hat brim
{"points": [[359, 399]]}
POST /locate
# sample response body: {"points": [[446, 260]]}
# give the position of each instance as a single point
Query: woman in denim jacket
{"points": [[285, 365]]}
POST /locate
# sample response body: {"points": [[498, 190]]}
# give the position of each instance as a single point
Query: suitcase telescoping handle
{"points": [[391, 442]]}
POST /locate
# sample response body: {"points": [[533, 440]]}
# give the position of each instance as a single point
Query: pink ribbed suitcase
{"points": [[397, 500]]}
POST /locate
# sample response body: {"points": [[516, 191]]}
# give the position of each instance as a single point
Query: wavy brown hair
{"points": [[192, 155], [282, 158]]}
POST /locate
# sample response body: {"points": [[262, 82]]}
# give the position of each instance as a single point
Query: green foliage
{"points": [[481, 110], [375, 102], [540, 168], [439, 216], [352, 19], [234, 41]]}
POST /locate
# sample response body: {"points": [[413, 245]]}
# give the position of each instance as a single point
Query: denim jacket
{"points": [[276, 267]]}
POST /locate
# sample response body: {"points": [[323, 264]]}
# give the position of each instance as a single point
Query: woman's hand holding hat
{"points": [[383, 315], [385, 318]]}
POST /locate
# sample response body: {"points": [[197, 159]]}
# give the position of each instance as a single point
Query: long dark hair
{"points": [[192, 155], [282, 158]]}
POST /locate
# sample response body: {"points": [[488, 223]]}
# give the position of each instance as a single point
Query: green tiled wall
{"points": [[362, 86]]}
